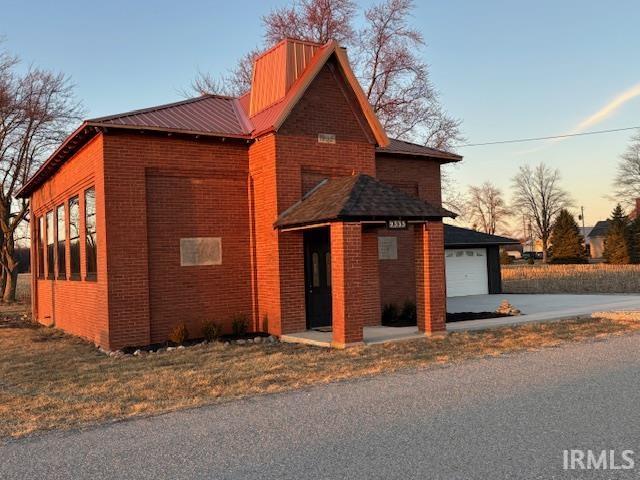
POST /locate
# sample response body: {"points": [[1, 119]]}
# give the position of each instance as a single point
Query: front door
{"points": [[317, 277]]}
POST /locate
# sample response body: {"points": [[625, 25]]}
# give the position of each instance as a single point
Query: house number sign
{"points": [[397, 224]]}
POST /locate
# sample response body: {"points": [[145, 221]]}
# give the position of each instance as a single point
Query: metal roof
{"points": [[212, 114], [402, 147], [357, 198]]}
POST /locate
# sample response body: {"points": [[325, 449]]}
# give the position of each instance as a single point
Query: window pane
{"points": [[327, 259], [61, 246], [41, 241], [50, 246], [74, 237], [90, 231]]}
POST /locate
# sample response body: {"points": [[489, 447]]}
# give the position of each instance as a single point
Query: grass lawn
{"points": [[49, 380], [591, 278]]}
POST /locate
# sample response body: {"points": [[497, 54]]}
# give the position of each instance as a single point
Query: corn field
{"points": [[593, 278]]}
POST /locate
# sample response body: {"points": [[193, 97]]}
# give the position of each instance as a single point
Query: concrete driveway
{"points": [[536, 308]]}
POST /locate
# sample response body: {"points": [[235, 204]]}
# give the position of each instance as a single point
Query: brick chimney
{"points": [[277, 69]]}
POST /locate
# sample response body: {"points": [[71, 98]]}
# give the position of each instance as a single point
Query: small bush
{"points": [[179, 334], [240, 325], [389, 314], [409, 314], [210, 331], [531, 261], [505, 258]]}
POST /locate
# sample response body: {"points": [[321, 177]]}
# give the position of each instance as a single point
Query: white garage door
{"points": [[466, 270]]}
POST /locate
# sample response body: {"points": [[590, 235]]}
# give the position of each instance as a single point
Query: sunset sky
{"points": [[508, 69]]}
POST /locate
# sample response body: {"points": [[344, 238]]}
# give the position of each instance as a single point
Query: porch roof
{"points": [[357, 198]]}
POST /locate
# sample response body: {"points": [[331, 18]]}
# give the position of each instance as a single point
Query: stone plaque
{"points": [[387, 248], [200, 251], [326, 138]]}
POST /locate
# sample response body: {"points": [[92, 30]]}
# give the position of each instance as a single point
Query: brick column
{"points": [[346, 284], [370, 279], [430, 277]]}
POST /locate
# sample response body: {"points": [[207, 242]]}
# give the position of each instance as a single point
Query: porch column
{"points": [[346, 284], [430, 277]]}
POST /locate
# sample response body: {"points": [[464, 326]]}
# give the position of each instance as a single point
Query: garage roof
{"points": [[465, 237]]}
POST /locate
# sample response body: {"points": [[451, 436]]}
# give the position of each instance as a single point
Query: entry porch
{"points": [[339, 221]]}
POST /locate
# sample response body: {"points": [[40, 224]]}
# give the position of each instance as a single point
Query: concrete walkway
{"points": [[535, 308]]}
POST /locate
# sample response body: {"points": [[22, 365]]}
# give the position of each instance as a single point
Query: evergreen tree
{"points": [[634, 239], [617, 243], [567, 242]]}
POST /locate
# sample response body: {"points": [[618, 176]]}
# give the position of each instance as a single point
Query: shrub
{"points": [[210, 331], [531, 261], [389, 314], [409, 314], [179, 334], [505, 258], [239, 325]]}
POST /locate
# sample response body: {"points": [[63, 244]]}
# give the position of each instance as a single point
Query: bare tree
{"points": [[627, 180], [36, 109], [312, 20], [386, 59], [538, 194], [487, 209]]}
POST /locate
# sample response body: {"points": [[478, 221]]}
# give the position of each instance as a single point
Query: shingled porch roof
{"points": [[357, 198]]}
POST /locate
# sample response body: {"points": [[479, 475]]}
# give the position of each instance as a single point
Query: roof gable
{"points": [[272, 117]]}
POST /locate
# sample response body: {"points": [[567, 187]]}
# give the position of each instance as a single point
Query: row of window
{"points": [[55, 239]]}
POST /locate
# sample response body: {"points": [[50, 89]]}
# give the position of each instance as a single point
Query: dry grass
{"points": [[49, 380], [593, 278]]}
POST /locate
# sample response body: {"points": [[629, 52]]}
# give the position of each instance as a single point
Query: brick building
{"points": [[289, 206]]}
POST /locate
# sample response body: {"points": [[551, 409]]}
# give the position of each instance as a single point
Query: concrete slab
{"points": [[535, 308], [372, 336]]}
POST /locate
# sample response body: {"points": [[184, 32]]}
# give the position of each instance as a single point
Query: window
{"points": [[74, 238], [90, 232], [50, 246], [61, 249], [40, 239]]}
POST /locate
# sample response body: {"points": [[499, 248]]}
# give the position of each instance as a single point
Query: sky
{"points": [[507, 69]]}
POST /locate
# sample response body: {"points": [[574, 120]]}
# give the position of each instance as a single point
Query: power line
{"points": [[534, 139]]}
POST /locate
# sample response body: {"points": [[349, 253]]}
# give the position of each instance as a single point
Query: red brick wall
{"points": [[129, 160], [299, 160], [415, 177], [77, 306], [207, 206]]}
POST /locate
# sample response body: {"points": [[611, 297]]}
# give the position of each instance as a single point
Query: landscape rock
{"points": [[506, 308], [181, 347], [241, 341], [170, 349], [257, 340], [226, 344]]}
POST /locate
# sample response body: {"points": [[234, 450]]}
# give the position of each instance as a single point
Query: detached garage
{"points": [[472, 261]]}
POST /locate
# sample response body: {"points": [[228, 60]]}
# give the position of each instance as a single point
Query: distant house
{"points": [[595, 238]]}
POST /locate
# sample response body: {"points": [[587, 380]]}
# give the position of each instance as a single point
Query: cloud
{"points": [[605, 112]]}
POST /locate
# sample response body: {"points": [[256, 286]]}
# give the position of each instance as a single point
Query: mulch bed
{"points": [[452, 317]]}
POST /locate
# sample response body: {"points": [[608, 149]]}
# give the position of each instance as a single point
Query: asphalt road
{"points": [[508, 417]]}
